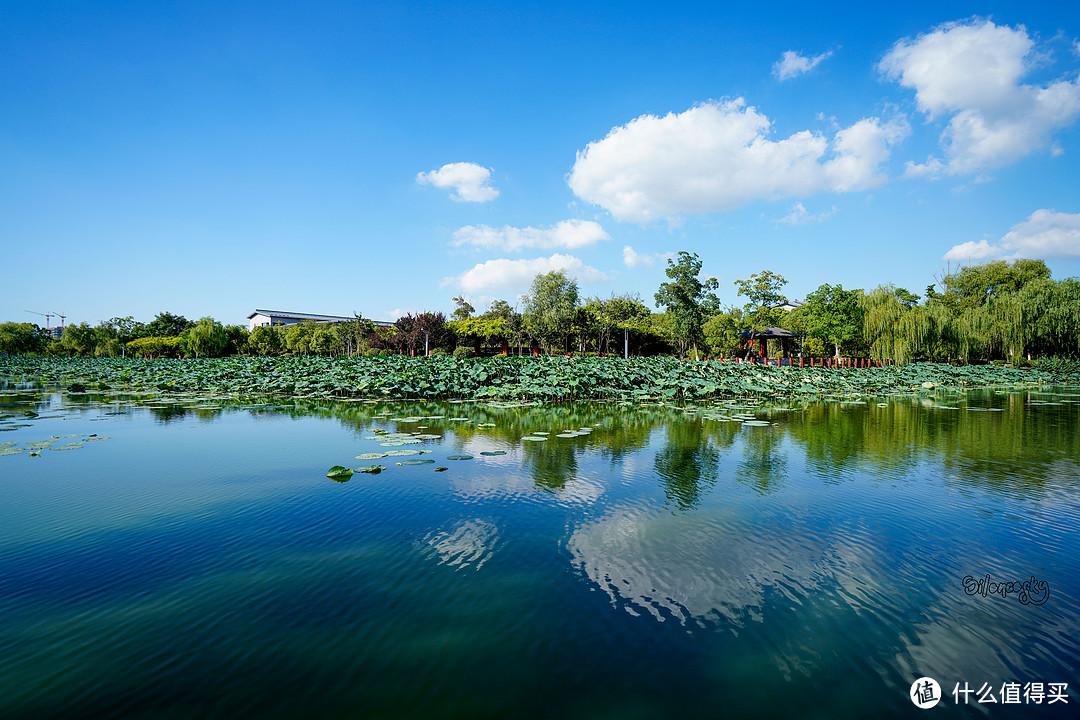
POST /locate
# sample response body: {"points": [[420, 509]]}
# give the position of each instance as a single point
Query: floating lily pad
{"points": [[401, 453], [492, 452], [534, 438], [339, 472], [370, 469], [371, 456], [459, 457], [757, 423], [440, 469], [417, 461]]}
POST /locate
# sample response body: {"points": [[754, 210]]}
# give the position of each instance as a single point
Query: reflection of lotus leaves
{"points": [[700, 565], [469, 543]]}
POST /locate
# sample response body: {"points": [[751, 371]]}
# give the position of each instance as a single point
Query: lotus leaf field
{"points": [[512, 378]]}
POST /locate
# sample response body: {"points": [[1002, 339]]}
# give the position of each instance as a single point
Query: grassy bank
{"points": [[545, 378]]}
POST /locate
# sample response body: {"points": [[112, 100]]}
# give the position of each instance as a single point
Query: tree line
{"points": [[1001, 310]]}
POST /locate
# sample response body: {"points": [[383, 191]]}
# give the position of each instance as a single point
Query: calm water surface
{"points": [[182, 557]]}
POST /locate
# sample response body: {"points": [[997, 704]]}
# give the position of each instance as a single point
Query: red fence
{"points": [[821, 362]]}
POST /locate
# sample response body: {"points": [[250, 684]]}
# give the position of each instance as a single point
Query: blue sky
{"points": [[210, 158]]}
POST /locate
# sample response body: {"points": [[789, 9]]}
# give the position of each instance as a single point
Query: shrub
{"points": [[464, 352]]}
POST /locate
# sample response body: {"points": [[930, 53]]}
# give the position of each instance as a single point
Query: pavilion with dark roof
{"points": [[787, 340]]}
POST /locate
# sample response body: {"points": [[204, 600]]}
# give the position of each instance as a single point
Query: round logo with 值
{"points": [[925, 693]]}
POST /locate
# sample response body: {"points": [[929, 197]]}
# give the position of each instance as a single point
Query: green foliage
{"points": [[975, 285], [266, 340], [764, 294], [831, 314], [688, 299], [206, 338], [721, 332], [550, 309], [22, 338], [166, 324], [548, 378], [604, 319], [462, 308], [154, 346], [78, 339]]}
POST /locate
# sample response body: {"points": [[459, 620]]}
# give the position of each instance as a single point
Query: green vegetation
{"points": [[688, 300], [511, 378], [1012, 312]]}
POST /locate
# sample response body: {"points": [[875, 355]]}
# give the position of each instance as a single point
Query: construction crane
{"points": [[47, 315], [62, 318]]}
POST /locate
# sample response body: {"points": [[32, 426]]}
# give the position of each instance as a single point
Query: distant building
{"points": [[789, 305], [280, 317]]}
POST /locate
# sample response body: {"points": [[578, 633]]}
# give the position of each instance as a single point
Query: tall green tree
{"points": [[764, 292], [831, 313], [462, 308], [550, 309], [688, 299], [166, 324]]}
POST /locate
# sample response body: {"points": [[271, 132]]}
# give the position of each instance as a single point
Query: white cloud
{"points": [[568, 234], [799, 215], [717, 155], [971, 73], [470, 182], [792, 64], [1045, 234], [932, 168], [971, 250], [633, 259], [507, 274]]}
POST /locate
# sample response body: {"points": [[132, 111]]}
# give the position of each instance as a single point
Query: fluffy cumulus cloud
{"points": [[468, 181], [971, 73], [568, 234], [1045, 234], [792, 64], [503, 274], [718, 155]]}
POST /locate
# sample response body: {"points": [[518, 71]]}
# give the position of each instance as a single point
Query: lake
{"points": [[180, 556]]}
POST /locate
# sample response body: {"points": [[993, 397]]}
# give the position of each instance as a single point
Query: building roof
{"points": [[788, 304], [311, 316], [769, 332]]}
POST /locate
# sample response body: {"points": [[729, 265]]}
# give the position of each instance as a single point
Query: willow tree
{"points": [[894, 326]]}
